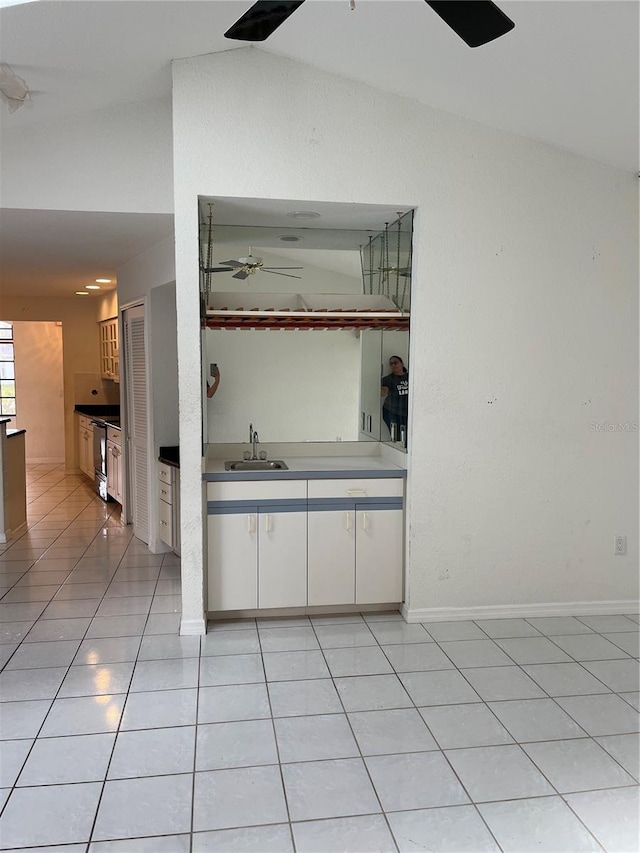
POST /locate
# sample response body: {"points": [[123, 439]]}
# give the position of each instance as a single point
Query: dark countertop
{"points": [[170, 456], [94, 410], [107, 414]]}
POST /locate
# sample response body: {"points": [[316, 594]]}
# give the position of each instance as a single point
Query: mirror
{"points": [[296, 385], [377, 413]]}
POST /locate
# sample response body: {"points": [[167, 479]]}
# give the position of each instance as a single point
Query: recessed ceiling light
{"points": [[290, 238], [103, 280], [92, 286], [303, 214], [82, 293]]}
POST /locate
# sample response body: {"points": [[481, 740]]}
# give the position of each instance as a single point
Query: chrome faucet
{"points": [[253, 441]]}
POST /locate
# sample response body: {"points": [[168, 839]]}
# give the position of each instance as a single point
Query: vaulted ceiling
{"points": [[566, 75]]}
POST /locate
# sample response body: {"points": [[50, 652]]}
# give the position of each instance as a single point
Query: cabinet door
{"points": [[165, 517], [379, 556], [282, 559], [176, 511], [233, 561], [112, 473], [86, 452], [331, 557]]}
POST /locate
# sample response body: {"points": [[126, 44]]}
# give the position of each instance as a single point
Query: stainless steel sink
{"points": [[256, 465]]}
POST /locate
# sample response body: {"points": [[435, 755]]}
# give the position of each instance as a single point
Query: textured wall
{"points": [[117, 159], [524, 320], [80, 347]]}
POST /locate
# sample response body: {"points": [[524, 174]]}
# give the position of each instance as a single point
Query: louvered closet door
{"points": [[137, 418]]}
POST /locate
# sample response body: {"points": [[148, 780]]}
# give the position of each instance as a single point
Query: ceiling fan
{"points": [[244, 267], [475, 21]]}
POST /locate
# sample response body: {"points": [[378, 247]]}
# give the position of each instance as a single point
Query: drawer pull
{"points": [[267, 523], [357, 493], [347, 521], [250, 524], [365, 521]]}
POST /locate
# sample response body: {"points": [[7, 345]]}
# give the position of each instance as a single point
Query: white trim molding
{"points": [[518, 611], [192, 627]]}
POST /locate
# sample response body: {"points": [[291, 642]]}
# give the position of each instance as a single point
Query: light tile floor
{"points": [[346, 733]]}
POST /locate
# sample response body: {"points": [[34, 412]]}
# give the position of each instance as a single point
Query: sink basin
{"points": [[256, 465]]}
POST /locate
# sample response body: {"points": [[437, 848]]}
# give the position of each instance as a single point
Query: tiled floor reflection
{"points": [[349, 733]]}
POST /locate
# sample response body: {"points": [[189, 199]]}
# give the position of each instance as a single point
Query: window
{"points": [[7, 371]]}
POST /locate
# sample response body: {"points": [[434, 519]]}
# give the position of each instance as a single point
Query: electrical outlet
{"points": [[620, 545]]}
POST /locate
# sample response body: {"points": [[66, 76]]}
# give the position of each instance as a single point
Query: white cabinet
{"points": [[355, 552], [257, 545], [85, 446], [331, 557], [169, 505], [297, 543], [233, 561], [379, 556], [282, 559], [114, 464], [109, 349]]}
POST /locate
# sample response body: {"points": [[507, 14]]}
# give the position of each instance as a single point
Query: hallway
{"points": [[353, 733]]}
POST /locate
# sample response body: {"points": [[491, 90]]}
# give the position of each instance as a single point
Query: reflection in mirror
{"points": [[292, 385], [377, 349], [298, 385]]}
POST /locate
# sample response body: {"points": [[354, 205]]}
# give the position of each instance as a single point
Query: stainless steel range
{"points": [[100, 458]]}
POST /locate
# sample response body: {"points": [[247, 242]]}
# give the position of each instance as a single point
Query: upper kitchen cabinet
{"points": [[109, 349]]}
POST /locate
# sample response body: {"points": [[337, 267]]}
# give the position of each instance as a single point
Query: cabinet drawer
{"points": [[248, 490], [114, 435], [391, 487], [165, 473], [165, 516], [165, 492]]}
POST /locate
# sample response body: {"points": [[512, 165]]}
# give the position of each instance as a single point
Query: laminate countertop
{"points": [[311, 468]]}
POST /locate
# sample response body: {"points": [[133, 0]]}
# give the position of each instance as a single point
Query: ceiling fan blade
{"points": [[232, 263], [266, 269], [216, 269], [283, 273], [241, 275], [475, 21], [262, 19]]}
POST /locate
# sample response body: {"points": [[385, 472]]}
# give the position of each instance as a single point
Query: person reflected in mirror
{"points": [[212, 386], [395, 394]]}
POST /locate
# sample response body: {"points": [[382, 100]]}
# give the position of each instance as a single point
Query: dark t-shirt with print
{"points": [[397, 400]]}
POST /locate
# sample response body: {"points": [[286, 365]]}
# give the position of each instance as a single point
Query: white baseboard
{"points": [[9, 535], [518, 611], [193, 627]]}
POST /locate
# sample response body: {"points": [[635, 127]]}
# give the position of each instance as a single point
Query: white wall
{"points": [[116, 159], [292, 385], [40, 389], [524, 321], [149, 279], [164, 364], [80, 349]]}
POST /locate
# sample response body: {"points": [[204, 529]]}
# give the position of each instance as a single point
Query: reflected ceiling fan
{"points": [[244, 267], [475, 21]]}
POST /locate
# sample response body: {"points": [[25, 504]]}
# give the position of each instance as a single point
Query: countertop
{"points": [[106, 414], [311, 468], [170, 456]]}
